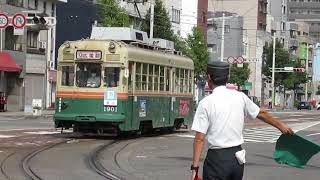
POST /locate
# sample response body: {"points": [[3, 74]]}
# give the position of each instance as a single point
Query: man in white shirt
{"points": [[220, 117]]}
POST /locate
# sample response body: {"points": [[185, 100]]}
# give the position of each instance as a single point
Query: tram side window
{"points": [[190, 81], [130, 80], [181, 77], [138, 76], [162, 82], [177, 81], [185, 81], [156, 78], [150, 77], [168, 79], [144, 76], [111, 76], [67, 76]]}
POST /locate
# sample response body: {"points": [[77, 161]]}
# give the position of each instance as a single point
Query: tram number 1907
{"points": [[111, 109]]}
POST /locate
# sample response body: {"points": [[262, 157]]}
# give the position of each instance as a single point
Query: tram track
{"points": [[2, 166], [96, 165], [26, 161]]}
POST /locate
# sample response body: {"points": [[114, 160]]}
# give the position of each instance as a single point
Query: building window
{"points": [[227, 28], [36, 4], [32, 37], [212, 48], [175, 15], [53, 8], [44, 6], [204, 17], [12, 42], [18, 3]]}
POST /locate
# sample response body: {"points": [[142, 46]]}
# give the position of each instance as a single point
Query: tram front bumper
{"points": [[90, 117]]}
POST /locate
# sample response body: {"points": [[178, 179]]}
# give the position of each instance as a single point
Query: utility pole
{"points": [[151, 21], [273, 66], [314, 79], [48, 60], [307, 67], [222, 38]]}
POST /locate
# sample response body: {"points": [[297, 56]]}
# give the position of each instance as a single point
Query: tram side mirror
{"points": [[126, 73]]}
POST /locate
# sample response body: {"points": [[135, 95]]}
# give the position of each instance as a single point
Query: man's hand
{"points": [[285, 129], [193, 175]]}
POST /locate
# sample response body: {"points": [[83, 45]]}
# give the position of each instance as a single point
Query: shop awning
{"points": [[8, 63]]}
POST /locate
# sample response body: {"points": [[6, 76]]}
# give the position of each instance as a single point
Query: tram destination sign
{"points": [[88, 55]]}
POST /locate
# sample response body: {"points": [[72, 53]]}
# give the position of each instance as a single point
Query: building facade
{"points": [[254, 15], [233, 31], [33, 51], [307, 11], [174, 10], [188, 17], [202, 17], [137, 11]]}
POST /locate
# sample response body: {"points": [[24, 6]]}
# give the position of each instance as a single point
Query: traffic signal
{"points": [[298, 70], [40, 20]]}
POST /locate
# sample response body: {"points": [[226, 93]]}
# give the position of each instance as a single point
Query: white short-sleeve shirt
{"points": [[221, 117]]}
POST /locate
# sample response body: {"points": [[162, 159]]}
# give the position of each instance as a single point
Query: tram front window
{"points": [[88, 75], [111, 76]]}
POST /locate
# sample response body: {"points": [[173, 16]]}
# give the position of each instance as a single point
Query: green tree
{"points": [[289, 80], [198, 51], [112, 15], [162, 25], [239, 75]]}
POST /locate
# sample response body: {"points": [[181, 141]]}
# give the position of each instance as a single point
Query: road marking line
{"points": [[42, 132], [305, 118], [6, 136], [24, 129], [187, 136], [309, 126], [313, 134]]}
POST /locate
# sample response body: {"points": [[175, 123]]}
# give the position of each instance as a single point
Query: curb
{"points": [[27, 116]]}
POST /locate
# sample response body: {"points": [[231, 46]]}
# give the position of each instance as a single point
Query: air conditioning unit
{"points": [[43, 45], [162, 43], [119, 33], [51, 65]]}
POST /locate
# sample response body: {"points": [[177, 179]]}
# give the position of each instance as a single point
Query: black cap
{"points": [[219, 70]]}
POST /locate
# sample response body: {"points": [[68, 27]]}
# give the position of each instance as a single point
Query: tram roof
{"points": [[158, 57], [139, 54]]}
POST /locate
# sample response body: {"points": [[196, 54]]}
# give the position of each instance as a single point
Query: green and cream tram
{"points": [[110, 87]]}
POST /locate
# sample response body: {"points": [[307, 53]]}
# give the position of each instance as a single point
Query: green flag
{"points": [[295, 150]]}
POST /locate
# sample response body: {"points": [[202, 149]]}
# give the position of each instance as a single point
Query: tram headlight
{"points": [[112, 47]]}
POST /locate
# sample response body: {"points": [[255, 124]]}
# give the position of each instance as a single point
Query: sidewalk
{"points": [[21, 114]]}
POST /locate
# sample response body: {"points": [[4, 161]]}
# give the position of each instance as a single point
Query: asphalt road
{"points": [[159, 157]]}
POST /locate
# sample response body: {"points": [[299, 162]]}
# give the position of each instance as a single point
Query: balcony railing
{"points": [[308, 5], [18, 3]]}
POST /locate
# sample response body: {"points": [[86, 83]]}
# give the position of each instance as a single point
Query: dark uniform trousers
{"points": [[222, 164]]}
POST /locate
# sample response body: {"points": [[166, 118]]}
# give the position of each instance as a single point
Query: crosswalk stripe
{"points": [[271, 134], [264, 134], [6, 136]]}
